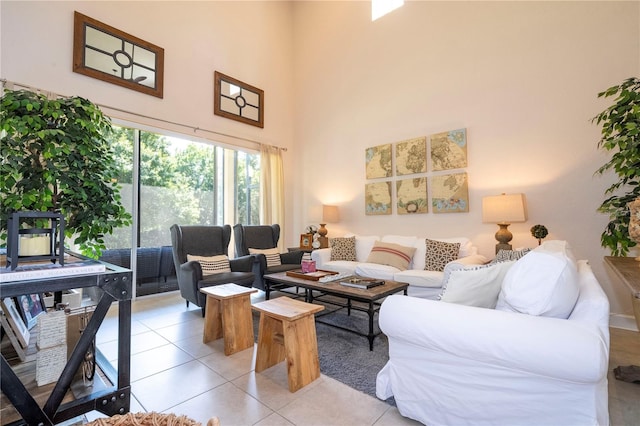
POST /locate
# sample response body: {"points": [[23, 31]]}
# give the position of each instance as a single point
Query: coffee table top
{"points": [[374, 293]]}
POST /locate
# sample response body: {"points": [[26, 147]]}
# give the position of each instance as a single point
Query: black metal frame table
{"points": [[115, 399], [370, 297]]}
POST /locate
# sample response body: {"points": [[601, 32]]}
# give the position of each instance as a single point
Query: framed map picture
{"points": [[412, 196], [411, 156], [450, 193], [377, 198], [449, 150], [378, 161]]}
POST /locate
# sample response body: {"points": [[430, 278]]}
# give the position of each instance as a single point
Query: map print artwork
{"points": [[378, 161], [449, 150], [377, 198], [411, 156], [450, 193], [412, 196]]}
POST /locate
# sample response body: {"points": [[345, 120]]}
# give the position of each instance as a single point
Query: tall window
{"points": [[180, 181]]}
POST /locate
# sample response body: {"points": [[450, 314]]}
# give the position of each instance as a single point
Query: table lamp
{"points": [[330, 214], [503, 210]]}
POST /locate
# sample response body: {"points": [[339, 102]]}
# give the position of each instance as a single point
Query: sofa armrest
{"points": [[321, 256], [291, 258], [548, 347], [242, 264]]}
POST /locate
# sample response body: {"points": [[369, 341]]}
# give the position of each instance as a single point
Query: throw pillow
{"points": [[439, 254], [272, 255], [504, 255], [391, 254], [477, 286], [542, 283], [343, 248], [211, 264]]}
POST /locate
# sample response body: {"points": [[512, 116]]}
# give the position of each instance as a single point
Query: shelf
{"points": [[55, 403]]}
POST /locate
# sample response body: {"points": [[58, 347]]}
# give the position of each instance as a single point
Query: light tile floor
{"points": [[173, 371]]}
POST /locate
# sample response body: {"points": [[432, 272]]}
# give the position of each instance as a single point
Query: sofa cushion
{"points": [[466, 249], [420, 278], [342, 266], [542, 283], [391, 254], [272, 255], [439, 253], [476, 286], [343, 248], [211, 264], [509, 255], [364, 243], [376, 270]]}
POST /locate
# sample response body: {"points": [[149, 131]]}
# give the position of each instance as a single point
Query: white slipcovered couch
{"points": [[539, 358], [422, 282]]}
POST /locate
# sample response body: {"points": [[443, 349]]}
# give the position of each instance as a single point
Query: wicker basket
{"points": [[150, 419]]}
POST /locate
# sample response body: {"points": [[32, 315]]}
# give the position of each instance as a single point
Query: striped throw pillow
{"points": [[211, 264], [272, 255], [391, 254]]}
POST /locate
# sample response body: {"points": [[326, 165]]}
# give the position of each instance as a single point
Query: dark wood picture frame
{"points": [[306, 241], [30, 307], [245, 104], [145, 75]]}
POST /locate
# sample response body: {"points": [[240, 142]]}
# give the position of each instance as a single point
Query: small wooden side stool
{"points": [[228, 315], [288, 330]]}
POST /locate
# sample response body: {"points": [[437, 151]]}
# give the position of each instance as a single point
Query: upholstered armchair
{"points": [[252, 238], [203, 248]]}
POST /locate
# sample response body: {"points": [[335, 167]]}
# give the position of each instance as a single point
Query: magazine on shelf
{"points": [[363, 283], [32, 271]]}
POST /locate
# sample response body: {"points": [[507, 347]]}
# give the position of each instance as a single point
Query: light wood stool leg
{"points": [[270, 343], [237, 324], [301, 347], [212, 320]]}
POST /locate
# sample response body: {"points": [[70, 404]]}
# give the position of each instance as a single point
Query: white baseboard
{"points": [[627, 322]]}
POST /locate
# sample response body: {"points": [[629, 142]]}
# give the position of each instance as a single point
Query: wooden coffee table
{"points": [[369, 300]]}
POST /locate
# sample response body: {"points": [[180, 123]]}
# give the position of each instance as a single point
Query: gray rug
{"points": [[345, 356]]}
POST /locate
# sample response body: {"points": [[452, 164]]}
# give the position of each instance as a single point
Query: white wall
{"points": [[521, 77], [250, 41]]}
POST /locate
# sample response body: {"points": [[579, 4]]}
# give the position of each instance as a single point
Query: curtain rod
{"points": [[9, 84]]}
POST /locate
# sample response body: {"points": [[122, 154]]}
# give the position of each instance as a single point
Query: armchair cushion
{"points": [[211, 264], [272, 255], [477, 286]]}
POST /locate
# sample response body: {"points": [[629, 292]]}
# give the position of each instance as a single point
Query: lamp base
{"points": [[323, 231], [503, 236]]}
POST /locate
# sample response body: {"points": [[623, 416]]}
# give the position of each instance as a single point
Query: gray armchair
{"points": [[263, 237], [206, 241]]}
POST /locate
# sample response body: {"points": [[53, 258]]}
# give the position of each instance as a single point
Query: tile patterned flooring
{"points": [[173, 371]]}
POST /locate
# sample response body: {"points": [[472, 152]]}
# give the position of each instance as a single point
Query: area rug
{"points": [[345, 356]]}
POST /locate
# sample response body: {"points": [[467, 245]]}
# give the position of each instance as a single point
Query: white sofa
{"points": [[422, 283], [457, 364]]}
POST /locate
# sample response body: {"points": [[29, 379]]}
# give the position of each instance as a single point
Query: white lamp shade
{"points": [[330, 214], [505, 208]]}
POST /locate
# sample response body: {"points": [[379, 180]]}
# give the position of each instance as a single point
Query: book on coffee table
{"points": [[362, 282]]}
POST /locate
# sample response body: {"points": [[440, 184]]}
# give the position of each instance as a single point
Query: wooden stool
{"points": [[288, 330], [228, 315]]}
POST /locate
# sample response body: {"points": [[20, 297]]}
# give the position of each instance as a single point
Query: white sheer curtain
{"points": [[272, 189]]}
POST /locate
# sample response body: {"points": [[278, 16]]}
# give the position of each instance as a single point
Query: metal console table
{"points": [[115, 399]]}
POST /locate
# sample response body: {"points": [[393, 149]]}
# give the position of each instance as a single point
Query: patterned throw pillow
{"points": [[505, 255], [391, 254], [343, 248], [439, 254], [211, 264], [272, 255]]}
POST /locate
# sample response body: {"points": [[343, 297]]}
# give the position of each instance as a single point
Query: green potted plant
{"points": [[55, 158], [621, 136], [539, 232]]}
